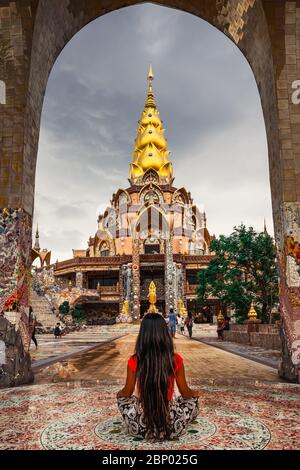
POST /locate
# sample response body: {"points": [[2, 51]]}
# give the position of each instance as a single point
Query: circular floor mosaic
{"points": [[113, 430], [225, 430]]}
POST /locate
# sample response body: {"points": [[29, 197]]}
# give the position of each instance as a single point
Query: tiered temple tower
{"points": [[150, 231]]}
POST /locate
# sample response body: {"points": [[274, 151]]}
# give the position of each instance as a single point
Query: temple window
{"points": [[2, 92], [104, 250], [151, 246]]}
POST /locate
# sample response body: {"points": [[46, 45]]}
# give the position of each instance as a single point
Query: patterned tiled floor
{"points": [[243, 405]]}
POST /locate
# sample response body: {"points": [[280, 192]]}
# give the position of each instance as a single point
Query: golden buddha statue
{"points": [[125, 308], [152, 298]]}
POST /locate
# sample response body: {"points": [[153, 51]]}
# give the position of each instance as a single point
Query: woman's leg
{"points": [[132, 414], [182, 412]]}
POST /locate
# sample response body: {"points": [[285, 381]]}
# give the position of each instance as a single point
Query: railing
{"points": [[109, 289], [92, 261], [116, 261]]}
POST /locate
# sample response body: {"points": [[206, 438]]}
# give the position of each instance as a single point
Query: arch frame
{"points": [[265, 31]]}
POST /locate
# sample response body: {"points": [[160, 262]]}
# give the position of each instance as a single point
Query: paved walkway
{"points": [[109, 361], [208, 335], [73, 405], [51, 349]]}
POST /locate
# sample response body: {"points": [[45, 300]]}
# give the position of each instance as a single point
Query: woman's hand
{"points": [[183, 387]]}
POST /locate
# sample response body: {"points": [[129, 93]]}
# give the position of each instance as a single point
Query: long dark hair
{"points": [[155, 366]]}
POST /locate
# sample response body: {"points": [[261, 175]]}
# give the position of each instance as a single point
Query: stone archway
{"points": [[33, 33]]}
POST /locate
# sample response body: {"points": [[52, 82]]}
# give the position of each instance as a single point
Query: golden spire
{"points": [[252, 315], [150, 150], [150, 102]]}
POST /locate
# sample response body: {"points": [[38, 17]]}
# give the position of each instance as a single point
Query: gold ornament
{"points": [[220, 316], [181, 308], [152, 298], [125, 308], [252, 315], [151, 150]]}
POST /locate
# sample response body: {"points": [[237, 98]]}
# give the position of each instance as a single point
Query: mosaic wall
{"points": [[292, 241], [15, 244], [136, 277], [169, 275]]}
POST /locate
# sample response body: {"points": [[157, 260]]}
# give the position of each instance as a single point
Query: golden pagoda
{"points": [[150, 150], [149, 244], [252, 315]]}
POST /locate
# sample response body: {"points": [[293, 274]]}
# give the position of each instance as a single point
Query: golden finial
{"points": [[150, 73], [150, 150], [150, 102], [252, 315], [220, 316]]}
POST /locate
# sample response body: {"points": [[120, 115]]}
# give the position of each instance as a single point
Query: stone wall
{"points": [[15, 364], [267, 337]]}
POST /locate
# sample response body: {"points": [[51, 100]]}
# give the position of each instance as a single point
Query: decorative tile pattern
{"points": [[59, 416]]}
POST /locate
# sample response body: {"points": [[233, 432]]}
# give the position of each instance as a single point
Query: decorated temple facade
{"points": [[151, 231]]}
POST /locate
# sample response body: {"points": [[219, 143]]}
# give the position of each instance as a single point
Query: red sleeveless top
{"points": [[178, 360]]}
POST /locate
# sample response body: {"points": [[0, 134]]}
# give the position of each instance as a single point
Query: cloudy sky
{"points": [[207, 98]]}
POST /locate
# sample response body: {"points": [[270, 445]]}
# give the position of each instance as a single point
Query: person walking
{"points": [[172, 322], [32, 326], [180, 324], [146, 401], [189, 324], [33, 338]]}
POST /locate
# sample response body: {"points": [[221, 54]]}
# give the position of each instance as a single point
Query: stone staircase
{"points": [[42, 311]]}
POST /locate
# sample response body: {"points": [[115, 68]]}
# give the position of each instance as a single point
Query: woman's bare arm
{"points": [[128, 389], [183, 387]]}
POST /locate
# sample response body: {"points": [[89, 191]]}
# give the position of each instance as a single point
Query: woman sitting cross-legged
{"points": [[152, 413]]}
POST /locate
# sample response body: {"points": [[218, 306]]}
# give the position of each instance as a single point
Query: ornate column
{"points": [[79, 280], [178, 283], [169, 275], [121, 287], [136, 282]]}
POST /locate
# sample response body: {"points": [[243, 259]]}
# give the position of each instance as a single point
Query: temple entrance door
{"points": [[152, 249]]}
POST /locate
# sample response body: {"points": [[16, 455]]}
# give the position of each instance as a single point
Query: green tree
{"points": [[64, 308], [244, 270], [78, 313]]}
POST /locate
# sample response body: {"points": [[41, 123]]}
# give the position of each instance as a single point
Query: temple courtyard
{"points": [[72, 404]]}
